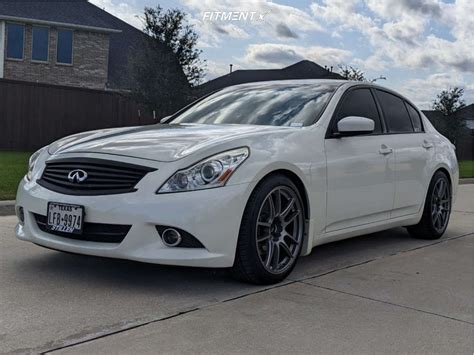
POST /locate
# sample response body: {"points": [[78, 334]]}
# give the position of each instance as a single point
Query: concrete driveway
{"points": [[381, 293]]}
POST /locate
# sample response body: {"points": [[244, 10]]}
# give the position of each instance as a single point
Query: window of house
{"points": [[395, 113], [65, 38], [415, 118], [40, 44], [15, 41], [360, 102]]}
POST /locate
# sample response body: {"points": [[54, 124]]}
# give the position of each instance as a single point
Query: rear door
{"points": [[359, 169], [412, 151]]}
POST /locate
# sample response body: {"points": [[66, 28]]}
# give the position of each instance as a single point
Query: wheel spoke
{"points": [[441, 191], [271, 248], [293, 239], [291, 218], [272, 208], [276, 256], [288, 208], [264, 224], [286, 249], [277, 202], [263, 238], [443, 218]]}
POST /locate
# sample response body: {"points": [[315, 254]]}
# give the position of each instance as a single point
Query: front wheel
{"points": [[437, 209], [271, 232]]}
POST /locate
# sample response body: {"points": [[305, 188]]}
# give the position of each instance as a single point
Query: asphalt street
{"points": [[380, 293]]}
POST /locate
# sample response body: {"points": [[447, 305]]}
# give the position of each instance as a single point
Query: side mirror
{"points": [[354, 126], [164, 119]]}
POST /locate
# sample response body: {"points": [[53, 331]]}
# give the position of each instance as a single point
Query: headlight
{"points": [[31, 165], [211, 172]]}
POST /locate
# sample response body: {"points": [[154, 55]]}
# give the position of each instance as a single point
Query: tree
{"points": [[158, 80], [351, 73], [448, 102], [171, 29]]}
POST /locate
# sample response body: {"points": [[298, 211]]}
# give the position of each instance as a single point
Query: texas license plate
{"points": [[65, 218]]}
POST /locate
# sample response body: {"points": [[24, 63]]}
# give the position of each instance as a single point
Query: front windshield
{"points": [[275, 105]]}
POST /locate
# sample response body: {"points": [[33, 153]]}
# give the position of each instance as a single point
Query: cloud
{"points": [[424, 91], [397, 30], [278, 55], [395, 8], [230, 30], [284, 31], [284, 19]]}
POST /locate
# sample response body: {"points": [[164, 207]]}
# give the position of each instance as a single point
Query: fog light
{"points": [[20, 214], [171, 237]]}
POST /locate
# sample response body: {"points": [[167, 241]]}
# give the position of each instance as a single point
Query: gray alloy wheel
{"points": [[437, 210], [271, 233], [279, 230], [440, 205]]}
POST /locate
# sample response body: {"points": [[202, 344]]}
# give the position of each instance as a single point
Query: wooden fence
{"points": [[34, 115]]}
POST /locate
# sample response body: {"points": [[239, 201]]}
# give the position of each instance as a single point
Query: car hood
{"points": [[157, 142]]}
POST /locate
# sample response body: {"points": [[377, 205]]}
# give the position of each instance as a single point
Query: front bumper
{"points": [[213, 216]]}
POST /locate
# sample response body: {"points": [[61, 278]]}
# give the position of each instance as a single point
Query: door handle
{"points": [[427, 145], [385, 150]]}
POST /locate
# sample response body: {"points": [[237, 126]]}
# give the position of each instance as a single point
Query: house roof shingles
{"points": [[123, 41], [76, 12]]}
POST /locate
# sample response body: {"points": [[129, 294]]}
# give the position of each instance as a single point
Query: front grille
{"points": [[91, 232], [104, 177]]}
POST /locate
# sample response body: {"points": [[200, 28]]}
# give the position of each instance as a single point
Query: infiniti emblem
{"points": [[77, 176]]}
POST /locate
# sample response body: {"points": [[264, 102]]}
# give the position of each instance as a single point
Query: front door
{"points": [[360, 169]]}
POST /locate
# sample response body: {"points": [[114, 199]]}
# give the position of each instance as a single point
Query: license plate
{"points": [[65, 218]]}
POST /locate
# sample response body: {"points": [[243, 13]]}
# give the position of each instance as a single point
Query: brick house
{"points": [[65, 42]]}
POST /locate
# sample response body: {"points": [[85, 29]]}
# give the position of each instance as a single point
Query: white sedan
{"points": [[248, 178]]}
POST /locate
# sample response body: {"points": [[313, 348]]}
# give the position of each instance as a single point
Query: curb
{"points": [[7, 208]]}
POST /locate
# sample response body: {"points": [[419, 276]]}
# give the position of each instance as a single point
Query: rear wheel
{"points": [[437, 209], [271, 233]]}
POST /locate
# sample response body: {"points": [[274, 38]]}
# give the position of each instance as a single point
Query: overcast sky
{"points": [[421, 46]]}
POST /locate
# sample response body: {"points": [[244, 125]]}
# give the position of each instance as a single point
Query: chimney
{"points": [[231, 65]]}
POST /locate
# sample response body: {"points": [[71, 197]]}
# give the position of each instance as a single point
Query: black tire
{"points": [[248, 265], [431, 226]]}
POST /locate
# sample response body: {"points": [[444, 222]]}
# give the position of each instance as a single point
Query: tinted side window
{"points": [[360, 102], [415, 118], [395, 113]]}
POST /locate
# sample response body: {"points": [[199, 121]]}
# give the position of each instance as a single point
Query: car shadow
{"points": [[120, 274]]}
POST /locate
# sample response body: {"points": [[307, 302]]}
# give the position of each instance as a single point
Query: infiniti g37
{"points": [[248, 178]]}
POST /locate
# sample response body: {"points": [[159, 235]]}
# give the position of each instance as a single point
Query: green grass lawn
{"points": [[466, 169], [13, 166]]}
